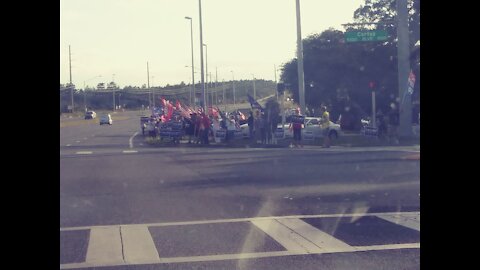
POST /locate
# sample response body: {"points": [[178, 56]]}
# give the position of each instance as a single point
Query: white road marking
{"points": [[129, 151], [130, 141], [223, 257], [84, 153], [324, 241], [292, 241], [409, 221], [138, 245], [105, 246], [244, 220], [68, 145]]}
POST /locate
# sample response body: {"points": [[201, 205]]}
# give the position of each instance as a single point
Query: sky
{"points": [[246, 39]]}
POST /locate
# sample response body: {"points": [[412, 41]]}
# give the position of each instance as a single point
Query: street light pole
{"points": [[148, 87], [203, 102], [403, 51], [70, 66], [206, 71], [193, 76], [301, 81]]}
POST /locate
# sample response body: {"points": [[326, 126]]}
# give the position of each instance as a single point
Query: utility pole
{"points": [[206, 71], [148, 87], [223, 98], [70, 68], [203, 101], [216, 92], [301, 82], [403, 50]]}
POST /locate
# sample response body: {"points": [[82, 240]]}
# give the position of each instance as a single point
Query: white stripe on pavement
{"points": [[68, 145], [223, 257], [244, 220], [323, 240], [105, 246], [84, 153], [290, 240], [138, 245], [409, 221], [129, 151], [130, 141]]}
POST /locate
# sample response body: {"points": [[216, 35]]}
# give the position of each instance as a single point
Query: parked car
{"points": [[106, 119], [312, 129], [90, 115]]}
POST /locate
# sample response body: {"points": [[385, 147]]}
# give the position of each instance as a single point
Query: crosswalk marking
{"points": [[121, 245], [292, 241], [105, 246], [322, 240], [138, 245], [409, 221]]}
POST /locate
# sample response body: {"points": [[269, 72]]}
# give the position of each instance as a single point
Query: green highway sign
{"points": [[367, 35]]}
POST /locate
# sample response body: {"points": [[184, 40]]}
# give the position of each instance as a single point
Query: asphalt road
{"points": [[125, 205]]}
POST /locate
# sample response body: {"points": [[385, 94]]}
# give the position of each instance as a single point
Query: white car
{"points": [[312, 129], [106, 119]]}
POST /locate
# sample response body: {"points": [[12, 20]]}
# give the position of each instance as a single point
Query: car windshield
{"points": [[212, 134]]}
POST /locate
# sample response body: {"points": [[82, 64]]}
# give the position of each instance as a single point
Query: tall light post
{"points": [[403, 51], [203, 102], [84, 94], [301, 80], [70, 68], [193, 76], [206, 71], [148, 87], [233, 86]]}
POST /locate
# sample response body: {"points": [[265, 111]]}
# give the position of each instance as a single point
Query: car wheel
{"points": [[333, 135]]}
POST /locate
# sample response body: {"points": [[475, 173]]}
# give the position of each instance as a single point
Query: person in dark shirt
{"points": [[250, 122], [297, 125]]}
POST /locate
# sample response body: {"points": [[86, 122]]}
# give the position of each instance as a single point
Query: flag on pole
{"points": [[254, 103]]}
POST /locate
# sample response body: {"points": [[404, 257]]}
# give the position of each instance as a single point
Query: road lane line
{"points": [[130, 141], [324, 241], [409, 221], [105, 246], [223, 257], [84, 153], [138, 245], [290, 240], [68, 145], [243, 220], [129, 151]]}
